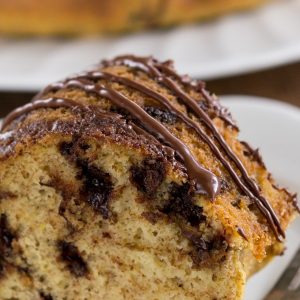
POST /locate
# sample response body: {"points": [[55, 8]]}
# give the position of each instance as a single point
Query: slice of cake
{"points": [[128, 182], [69, 17]]}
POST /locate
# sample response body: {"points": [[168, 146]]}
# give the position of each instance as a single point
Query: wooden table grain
{"points": [[281, 83]]}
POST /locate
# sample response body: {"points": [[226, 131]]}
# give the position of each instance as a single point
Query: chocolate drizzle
{"points": [[211, 103], [45, 103], [206, 182], [163, 73], [154, 68], [249, 187], [263, 205]]}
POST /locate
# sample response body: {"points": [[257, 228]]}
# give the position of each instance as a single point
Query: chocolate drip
{"points": [[206, 182], [46, 103], [164, 74], [189, 122], [250, 188]]}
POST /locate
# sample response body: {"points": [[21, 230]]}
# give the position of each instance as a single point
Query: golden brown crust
{"points": [[229, 235], [67, 124]]}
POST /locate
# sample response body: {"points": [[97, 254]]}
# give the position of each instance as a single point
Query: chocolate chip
{"points": [[6, 236], [225, 186], [206, 251], [196, 238], [161, 114], [2, 267], [106, 235], [218, 243], [201, 252], [149, 175], [97, 187], [253, 154], [121, 111], [65, 148], [181, 202], [45, 296], [236, 203], [84, 146], [6, 194], [71, 256], [152, 217]]}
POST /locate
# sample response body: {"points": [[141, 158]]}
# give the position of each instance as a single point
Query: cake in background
{"points": [[69, 17]]}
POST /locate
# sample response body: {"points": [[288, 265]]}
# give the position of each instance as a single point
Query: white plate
{"points": [[235, 43], [275, 128]]}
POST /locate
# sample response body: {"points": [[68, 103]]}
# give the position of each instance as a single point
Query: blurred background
{"points": [[247, 47]]}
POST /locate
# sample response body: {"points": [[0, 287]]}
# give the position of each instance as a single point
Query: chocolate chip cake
{"points": [[128, 181], [67, 17]]}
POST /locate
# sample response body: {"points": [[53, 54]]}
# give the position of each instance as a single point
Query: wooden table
{"points": [[282, 83]]}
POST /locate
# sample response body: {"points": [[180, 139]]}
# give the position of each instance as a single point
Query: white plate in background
{"points": [[236, 43], [275, 128]]}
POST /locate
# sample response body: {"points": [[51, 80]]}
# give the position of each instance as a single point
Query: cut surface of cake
{"points": [[128, 181], [68, 17]]}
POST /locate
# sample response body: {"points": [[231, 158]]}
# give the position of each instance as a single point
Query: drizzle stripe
{"points": [[152, 70], [190, 123], [45, 103], [204, 179]]}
